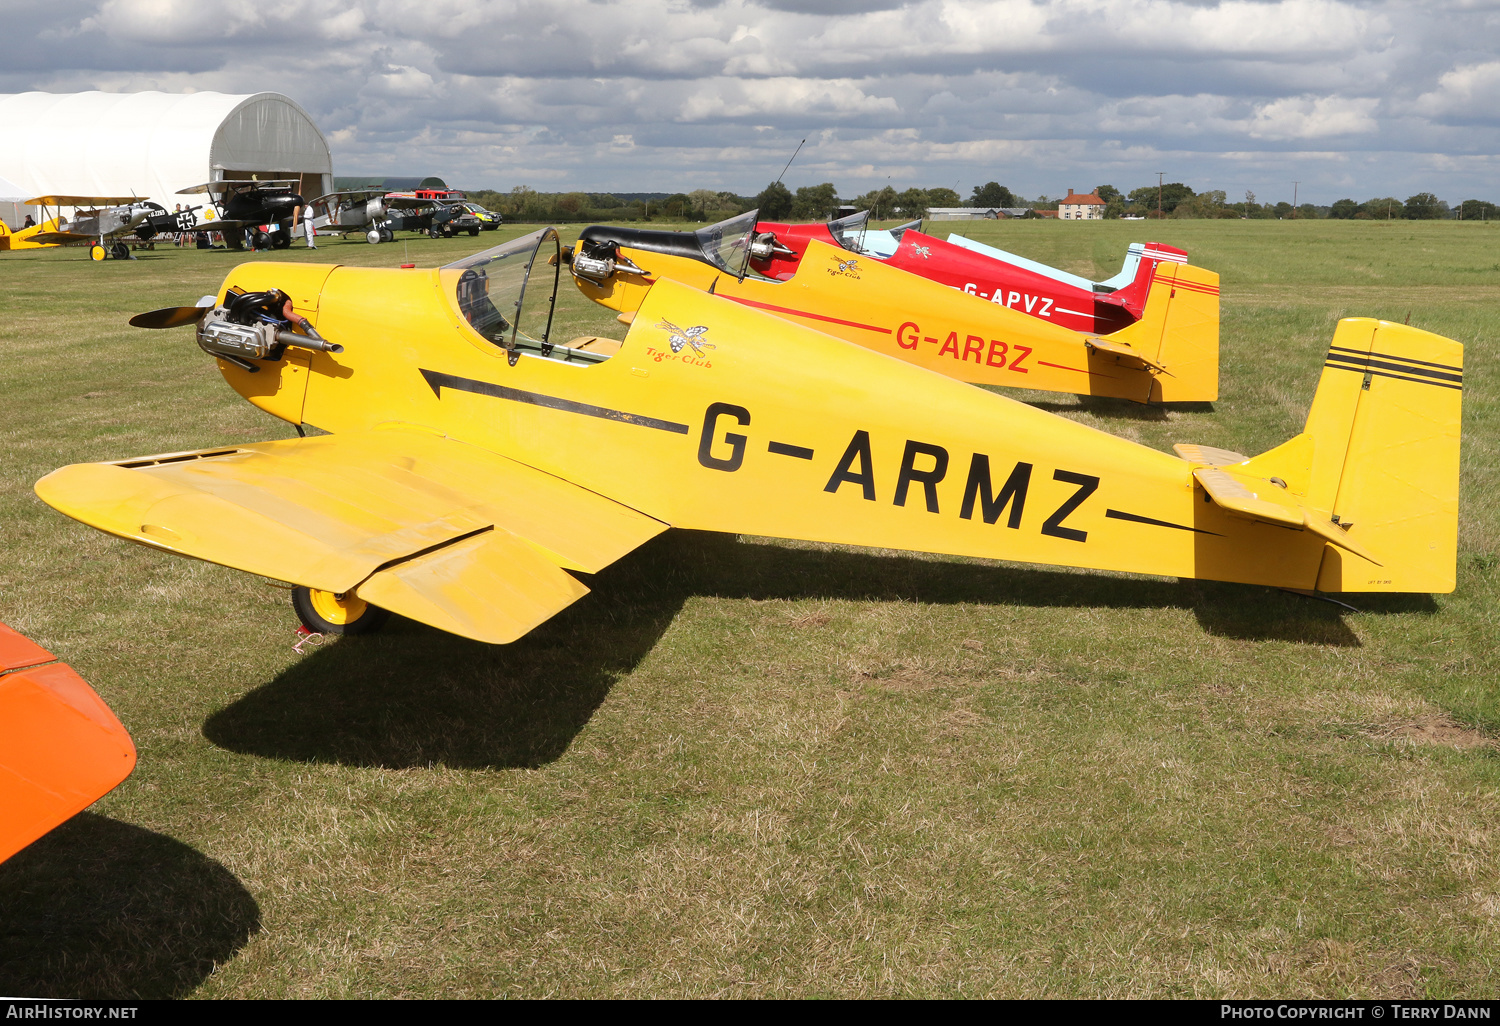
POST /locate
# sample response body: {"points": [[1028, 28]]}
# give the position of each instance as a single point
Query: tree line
{"points": [[778, 202]]}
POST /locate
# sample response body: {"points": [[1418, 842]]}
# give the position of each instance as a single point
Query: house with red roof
{"points": [[1075, 207]]}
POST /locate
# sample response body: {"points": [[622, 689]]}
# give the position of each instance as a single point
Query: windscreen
{"points": [[902, 229], [849, 232], [490, 288], [727, 244]]}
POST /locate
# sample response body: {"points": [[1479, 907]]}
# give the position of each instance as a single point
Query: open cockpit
{"points": [[508, 294]]}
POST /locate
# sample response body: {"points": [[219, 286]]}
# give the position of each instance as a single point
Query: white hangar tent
{"points": [[152, 144], [10, 203]]}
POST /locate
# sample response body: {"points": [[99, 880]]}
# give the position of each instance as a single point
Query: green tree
{"points": [[1283, 209], [990, 194], [1384, 208], [775, 202], [677, 207], [1170, 194], [881, 203], [942, 197], [1205, 204], [1108, 193], [1343, 209], [1477, 210], [1424, 206], [912, 203], [815, 202]]}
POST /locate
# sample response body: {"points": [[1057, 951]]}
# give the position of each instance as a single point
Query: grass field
{"points": [[745, 767]]}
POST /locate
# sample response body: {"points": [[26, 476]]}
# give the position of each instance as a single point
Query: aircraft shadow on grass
{"points": [[414, 696], [102, 909], [1106, 408]]}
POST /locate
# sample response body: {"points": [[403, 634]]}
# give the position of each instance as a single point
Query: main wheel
{"points": [[324, 612], [261, 240], [97, 252], [386, 235], [281, 240], [433, 233], [120, 251], [374, 236]]}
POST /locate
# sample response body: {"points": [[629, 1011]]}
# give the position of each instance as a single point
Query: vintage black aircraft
{"points": [[253, 214]]}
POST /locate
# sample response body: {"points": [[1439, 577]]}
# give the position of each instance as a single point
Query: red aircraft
{"points": [[1003, 278]]}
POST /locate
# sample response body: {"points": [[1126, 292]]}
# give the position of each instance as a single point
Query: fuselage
{"points": [[715, 415]]}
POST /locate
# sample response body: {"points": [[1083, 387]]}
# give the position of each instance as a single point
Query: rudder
{"points": [[1385, 425], [1179, 330]]}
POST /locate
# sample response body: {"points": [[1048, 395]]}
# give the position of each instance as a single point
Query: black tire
{"points": [[473, 231], [120, 251], [281, 240], [386, 235], [370, 618], [261, 240]]}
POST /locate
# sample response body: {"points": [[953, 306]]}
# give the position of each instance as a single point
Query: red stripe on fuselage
{"points": [[811, 316]]}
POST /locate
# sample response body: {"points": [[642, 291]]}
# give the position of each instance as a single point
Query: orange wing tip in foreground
{"points": [[61, 748]]}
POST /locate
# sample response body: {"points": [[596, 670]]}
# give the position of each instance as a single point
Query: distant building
{"points": [[1075, 207], [963, 213]]}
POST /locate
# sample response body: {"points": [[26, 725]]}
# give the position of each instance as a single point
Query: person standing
{"points": [[308, 228]]}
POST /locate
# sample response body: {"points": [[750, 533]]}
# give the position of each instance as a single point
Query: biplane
{"points": [[1169, 354], [254, 213], [475, 464], [1001, 278], [61, 748], [378, 214], [95, 219]]}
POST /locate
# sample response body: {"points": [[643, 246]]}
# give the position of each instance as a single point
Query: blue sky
{"points": [[1351, 98]]}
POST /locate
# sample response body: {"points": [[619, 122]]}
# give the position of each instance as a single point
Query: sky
{"points": [[1357, 99]]}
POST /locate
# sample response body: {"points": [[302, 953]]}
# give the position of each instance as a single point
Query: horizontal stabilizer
{"points": [[1207, 455], [1123, 351], [1263, 500], [425, 526]]}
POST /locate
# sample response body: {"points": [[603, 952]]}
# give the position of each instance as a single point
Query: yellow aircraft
{"points": [[474, 463], [95, 218], [1171, 354]]}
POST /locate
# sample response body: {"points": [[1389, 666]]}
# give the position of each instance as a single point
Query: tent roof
{"points": [[151, 144], [10, 192]]}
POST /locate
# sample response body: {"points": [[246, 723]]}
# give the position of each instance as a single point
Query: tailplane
{"points": [[1375, 471]]}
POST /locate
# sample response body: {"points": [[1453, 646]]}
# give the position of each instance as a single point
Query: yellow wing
{"points": [[434, 529]]}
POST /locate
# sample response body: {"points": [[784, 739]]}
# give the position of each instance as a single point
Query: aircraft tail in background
{"points": [[1178, 331]]}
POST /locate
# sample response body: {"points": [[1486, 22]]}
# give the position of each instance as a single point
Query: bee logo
{"points": [[922, 251], [680, 337]]}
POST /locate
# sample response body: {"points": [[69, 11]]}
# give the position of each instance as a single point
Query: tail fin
{"points": [[1380, 455], [1132, 285], [1179, 330]]}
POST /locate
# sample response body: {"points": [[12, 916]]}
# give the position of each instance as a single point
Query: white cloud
{"points": [[672, 94], [1305, 117]]}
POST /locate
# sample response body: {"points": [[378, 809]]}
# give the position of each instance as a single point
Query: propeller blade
{"points": [[171, 317]]}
